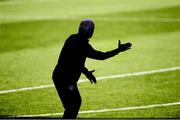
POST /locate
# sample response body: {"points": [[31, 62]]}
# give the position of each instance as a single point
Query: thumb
{"points": [[92, 71], [119, 42]]}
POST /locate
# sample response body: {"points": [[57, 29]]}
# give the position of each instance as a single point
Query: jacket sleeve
{"points": [[94, 54], [84, 70]]}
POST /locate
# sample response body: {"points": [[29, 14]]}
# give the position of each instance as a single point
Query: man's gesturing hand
{"points": [[124, 47], [90, 76]]}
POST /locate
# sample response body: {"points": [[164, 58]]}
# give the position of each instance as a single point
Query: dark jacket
{"points": [[72, 59]]}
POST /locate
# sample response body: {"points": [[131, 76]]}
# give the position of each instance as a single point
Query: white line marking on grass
{"points": [[98, 78], [138, 73], [26, 89], [105, 110]]}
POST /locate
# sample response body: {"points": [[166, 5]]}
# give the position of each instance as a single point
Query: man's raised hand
{"points": [[124, 47]]}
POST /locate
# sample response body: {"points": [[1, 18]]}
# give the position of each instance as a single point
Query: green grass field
{"points": [[32, 34]]}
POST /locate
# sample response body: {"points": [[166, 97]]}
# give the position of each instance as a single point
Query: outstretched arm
{"points": [[92, 53], [89, 75]]}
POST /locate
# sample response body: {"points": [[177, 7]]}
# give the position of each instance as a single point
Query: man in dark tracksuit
{"points": [[71, 64]]}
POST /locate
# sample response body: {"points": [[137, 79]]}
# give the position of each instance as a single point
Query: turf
{"points": [[30, 46]]}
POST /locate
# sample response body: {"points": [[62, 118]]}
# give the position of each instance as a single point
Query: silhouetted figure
{"points": [[71, 64]]}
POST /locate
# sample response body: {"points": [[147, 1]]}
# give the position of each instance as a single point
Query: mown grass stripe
{"points": [[23, 2], [98, 78], [108, 19]]}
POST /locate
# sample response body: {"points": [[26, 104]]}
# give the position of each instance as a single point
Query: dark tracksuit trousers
{"points": [[70, 98], [68, 70]]}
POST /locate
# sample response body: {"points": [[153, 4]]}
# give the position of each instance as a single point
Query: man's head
{"points": [[86, 28]]}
